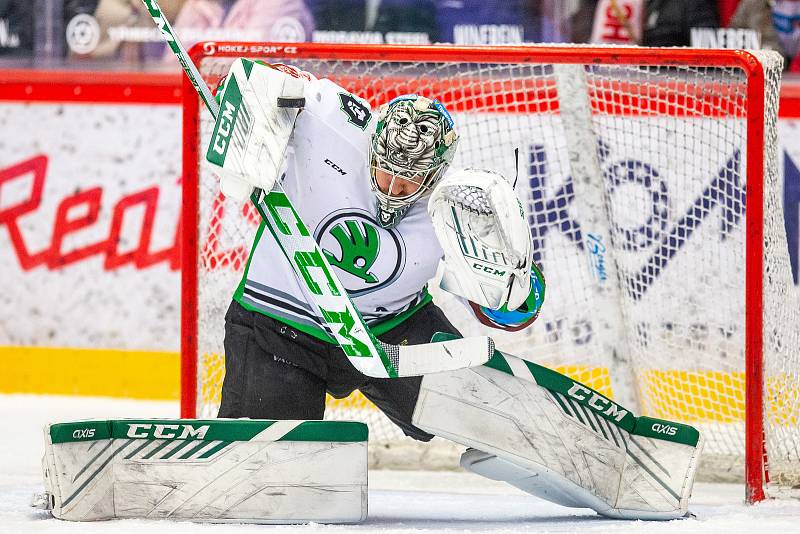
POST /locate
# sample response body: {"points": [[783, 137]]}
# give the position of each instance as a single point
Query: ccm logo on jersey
{"points": [[335, 167], [664, 429], [83, 433], [160, 431], [597, 402]]}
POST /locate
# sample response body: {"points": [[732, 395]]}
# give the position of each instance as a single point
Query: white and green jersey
{"points": [[384, 271]]}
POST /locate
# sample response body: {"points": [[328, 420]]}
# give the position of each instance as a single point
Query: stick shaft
{"points": [[183, 56], [376, 362]]}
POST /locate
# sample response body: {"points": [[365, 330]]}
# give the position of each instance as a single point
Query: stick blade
{"points": [[444, 355]]}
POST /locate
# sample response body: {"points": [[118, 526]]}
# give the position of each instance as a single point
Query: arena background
{"points": [[90, 163]]}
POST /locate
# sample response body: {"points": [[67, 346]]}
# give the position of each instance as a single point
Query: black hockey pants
{"points": [[275, 372]]}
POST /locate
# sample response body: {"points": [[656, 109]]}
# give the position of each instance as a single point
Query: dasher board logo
{"points": [[357, 113], [366, 256]]}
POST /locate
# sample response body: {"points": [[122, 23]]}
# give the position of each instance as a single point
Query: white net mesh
{"points": [[644, 259], [781, 330]]}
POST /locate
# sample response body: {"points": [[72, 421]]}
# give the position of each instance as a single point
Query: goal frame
{"points": [[756, 474]]}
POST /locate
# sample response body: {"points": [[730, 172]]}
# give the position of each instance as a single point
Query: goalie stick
{"points": [[366, 353]]}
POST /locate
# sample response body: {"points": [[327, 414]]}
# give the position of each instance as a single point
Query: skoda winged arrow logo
{"points": [[367, 257], [360, 245]]}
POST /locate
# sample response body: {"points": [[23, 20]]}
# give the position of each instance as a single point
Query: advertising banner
{"points": [[89, 220]]}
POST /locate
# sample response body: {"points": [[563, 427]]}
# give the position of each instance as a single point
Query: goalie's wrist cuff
{"points": [[505, 318], [522, 316]]}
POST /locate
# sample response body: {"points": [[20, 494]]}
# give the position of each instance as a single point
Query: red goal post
{"points": [[712, 97]]}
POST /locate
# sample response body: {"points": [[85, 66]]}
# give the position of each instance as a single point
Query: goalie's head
{"points": [[412, 145]]}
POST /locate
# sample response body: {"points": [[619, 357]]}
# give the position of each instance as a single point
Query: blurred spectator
{"points": [[123, 30], [669, 22], [375, 21], [465, 22], [617, 21], [757, 15], [778, 22], [100, 29], [644, 22], [244, 20], [477, 22], [16, 28]]}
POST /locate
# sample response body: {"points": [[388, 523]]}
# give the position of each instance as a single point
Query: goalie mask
{"points": [[413, 143]]}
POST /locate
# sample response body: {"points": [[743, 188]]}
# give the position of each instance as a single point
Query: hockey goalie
{"points": [[377, 183]]}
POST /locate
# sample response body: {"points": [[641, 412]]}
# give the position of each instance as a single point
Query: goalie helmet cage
{"points": [[669, 285]]}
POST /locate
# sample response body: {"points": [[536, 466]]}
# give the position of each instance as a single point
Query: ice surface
{"points": [[399, 501]]}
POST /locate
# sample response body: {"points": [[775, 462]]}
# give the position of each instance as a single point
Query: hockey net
{"points": [[654, 202]]}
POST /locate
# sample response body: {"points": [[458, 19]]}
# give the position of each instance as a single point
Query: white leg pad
{"points": [[565, 443], [242, 471]]}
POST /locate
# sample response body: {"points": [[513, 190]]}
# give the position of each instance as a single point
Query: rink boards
{"points": [[90, 200]]}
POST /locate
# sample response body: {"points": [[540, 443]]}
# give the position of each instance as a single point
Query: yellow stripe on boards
{"points": [[694, 396], [596, 378], [212, 371], [698, 396], [90, 372], [716, 396], [687, 396]]}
